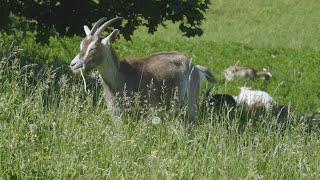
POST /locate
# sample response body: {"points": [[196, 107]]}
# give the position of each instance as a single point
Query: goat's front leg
{"points": [[193, 94], [182, 90], [110, 100]]}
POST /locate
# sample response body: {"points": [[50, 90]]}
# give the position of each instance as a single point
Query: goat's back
{"points": [[237, 71], [161, 65], [221, 99], [166, 66], [254, 98]]}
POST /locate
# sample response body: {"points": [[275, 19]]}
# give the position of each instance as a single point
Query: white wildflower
{"points": [[156, 120], [53, 125], [33, 127]]}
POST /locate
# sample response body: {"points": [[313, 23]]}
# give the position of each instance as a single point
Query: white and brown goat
{"points": [[245, 73], [255, 98], [166, 71]]}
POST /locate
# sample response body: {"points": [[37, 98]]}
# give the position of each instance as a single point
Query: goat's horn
{"points": [[97, 24], [106, 24]]}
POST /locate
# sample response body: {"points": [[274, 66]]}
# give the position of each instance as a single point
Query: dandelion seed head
{"points": [[33, 127], [53, 125], [156, 120]]}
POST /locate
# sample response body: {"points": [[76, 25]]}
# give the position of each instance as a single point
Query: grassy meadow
{"points": [[51, 129]]}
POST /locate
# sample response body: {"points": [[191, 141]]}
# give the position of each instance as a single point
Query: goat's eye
{"points": [[92, 49]]}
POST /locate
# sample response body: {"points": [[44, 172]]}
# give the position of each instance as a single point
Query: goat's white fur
{"points": [[253, 97]]}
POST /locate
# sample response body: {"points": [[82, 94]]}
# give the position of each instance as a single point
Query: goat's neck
{"points": [[109, 71]]}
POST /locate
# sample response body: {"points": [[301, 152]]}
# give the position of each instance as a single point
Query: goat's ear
{"points": [[111, 38], [86, 29], [265, 69]]}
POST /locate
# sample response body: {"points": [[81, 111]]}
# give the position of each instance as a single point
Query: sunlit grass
{"points": [[264, 23]]}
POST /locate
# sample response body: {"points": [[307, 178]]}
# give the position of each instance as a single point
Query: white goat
{"points": [[254, 98]]}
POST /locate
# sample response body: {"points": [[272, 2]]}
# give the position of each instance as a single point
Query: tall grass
{"points": [[50, 128]]}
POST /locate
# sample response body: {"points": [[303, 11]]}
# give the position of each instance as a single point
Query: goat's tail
{"points": [[205, 72]]}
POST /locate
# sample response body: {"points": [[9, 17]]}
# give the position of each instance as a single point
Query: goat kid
{"points": [[246, 73], [309, 118], [254, 98], [166, 71], [218, 100], [312, 121]]}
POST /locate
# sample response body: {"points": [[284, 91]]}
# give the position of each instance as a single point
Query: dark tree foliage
{"points": [[4, 13], [67, 17]]}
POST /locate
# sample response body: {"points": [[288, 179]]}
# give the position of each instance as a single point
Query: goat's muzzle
{"points": [[77, 64]]}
